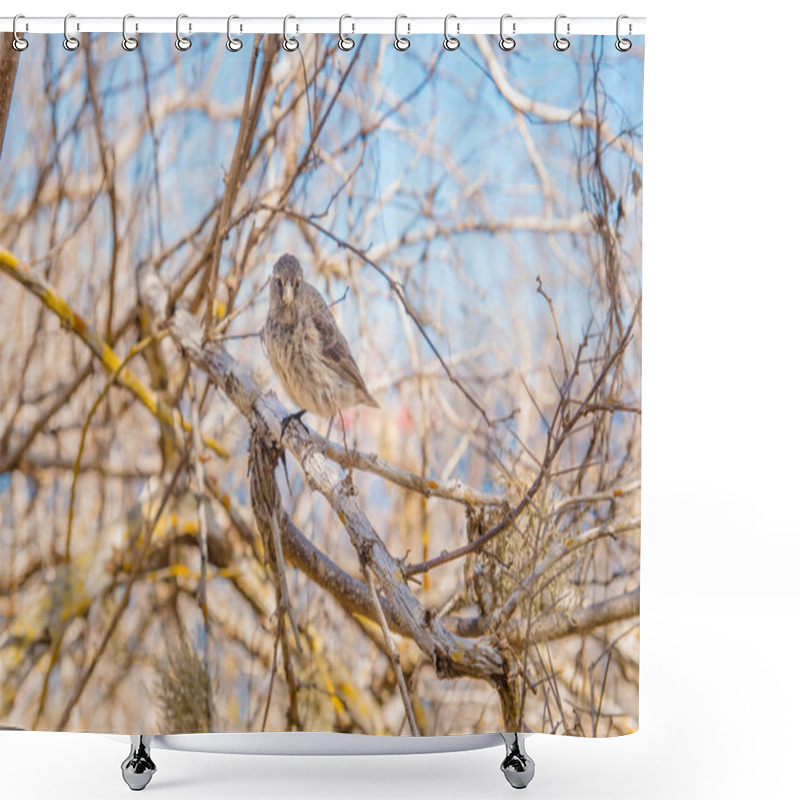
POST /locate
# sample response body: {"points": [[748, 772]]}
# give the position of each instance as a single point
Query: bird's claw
{"points": [[297, 416]]}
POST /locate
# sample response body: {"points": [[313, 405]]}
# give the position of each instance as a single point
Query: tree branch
{"points": [[72, 321], [484, 658], [549, 113]]}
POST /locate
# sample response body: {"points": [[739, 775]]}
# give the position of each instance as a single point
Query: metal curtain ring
{"points": [[623, 45], [70, 42], [233, 44], [128, 42], [507, 42], [450, 42], [290, 44], [345, 42], [18, 42], [181, 42], [561, 43], [401, 42]]}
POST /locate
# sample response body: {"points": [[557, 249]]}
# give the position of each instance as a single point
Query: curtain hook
{"points": [[507, 42], [128, 42], [561, 43], [19, 43], [181, 42], [345, 42], [290, 44], [401, 42], [450, 42], [233, 44], [70, 42], [623, 45]]}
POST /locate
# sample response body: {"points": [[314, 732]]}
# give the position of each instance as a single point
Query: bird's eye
{"points": [[280, 284]]}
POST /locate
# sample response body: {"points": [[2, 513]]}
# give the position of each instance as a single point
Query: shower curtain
{"points": [[436, 254]]}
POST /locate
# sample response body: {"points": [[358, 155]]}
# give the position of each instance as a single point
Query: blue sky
{"points": [[468, 287]]}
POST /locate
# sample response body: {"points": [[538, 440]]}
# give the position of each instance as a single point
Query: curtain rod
{"points": [[408, 26]]}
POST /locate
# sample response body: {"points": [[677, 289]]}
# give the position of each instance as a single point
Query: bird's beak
{"points": [[288, 294]]}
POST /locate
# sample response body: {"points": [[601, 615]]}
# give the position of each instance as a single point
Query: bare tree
{"points": [[480, 570]]}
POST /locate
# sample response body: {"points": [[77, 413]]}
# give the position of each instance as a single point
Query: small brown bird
{"points": [[307, 350]]}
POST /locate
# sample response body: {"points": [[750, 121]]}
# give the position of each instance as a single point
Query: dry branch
{"points": [[354, 597], [452, 489], [72, 321], [484, 658], [298, 148], [549, 113], [8, 71], [141, 553]]}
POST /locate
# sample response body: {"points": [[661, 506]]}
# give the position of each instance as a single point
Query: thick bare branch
{"points": [[483, 658], [8, 71]]}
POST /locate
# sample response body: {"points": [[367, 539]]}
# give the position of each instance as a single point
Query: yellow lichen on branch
{"points": [[12, 267]]}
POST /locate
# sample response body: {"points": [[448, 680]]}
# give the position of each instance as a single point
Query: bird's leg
{"points": [[328, 434], [282, 457], [347, 460], [298, 416]]}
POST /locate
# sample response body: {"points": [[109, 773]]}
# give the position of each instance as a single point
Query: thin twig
{"points": [[135, 350], [554, 445], [89, 336], [202, 522], [394, 656], [123, 603], [399, 291], [546, 296]]}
